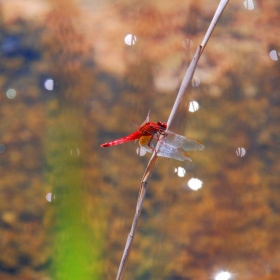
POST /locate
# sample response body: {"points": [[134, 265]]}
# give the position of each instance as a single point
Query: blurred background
{"points": [[76, 74]]}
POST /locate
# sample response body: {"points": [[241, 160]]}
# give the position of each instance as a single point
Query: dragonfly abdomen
{"points": [[133, 136]]}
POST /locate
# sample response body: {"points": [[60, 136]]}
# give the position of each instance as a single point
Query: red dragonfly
{"points": [[171, 145], [146, 129]]}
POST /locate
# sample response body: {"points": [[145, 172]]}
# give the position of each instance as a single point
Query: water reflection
{"points": [[130, 39], [93, 68]]}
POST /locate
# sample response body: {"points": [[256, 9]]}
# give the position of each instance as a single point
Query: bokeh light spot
{"points": [[181, 172], [195, 184], [50, 197], [249, 5], [224, 275], [194, 106], [11, 93], [140, 151], [187, 44], [195, 82], [130, 39], [75, 152], [49, 84], [240, 152], [274, 55]]}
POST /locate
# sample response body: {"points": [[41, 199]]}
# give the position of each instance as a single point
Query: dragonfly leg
{"points": [[161, 132], [149, 144]]}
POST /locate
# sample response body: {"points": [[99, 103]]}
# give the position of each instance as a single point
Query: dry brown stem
{"points": [[149, 169]]}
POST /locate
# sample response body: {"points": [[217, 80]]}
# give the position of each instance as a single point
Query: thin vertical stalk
{"points": [[149, 169]]}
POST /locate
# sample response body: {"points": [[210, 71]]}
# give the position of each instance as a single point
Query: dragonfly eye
{"points": [[163, 125]]}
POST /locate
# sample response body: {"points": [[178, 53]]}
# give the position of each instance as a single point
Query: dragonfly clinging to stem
{"points": [[172, 145]]}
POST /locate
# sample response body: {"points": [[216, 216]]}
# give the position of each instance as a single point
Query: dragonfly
{"points": [[146, 129], [171, 145]]}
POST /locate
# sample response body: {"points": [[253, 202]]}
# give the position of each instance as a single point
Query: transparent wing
{"points": [[182, 142], [149, 143]]}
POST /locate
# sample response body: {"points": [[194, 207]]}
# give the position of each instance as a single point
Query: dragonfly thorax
{"points": [[163, 125]]}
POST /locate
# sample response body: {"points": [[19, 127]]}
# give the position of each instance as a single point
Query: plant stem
{"points": [[149, 169]]}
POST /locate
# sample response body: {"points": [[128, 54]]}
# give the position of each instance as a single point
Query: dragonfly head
{"points": [[163, 125]]}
